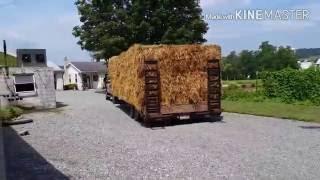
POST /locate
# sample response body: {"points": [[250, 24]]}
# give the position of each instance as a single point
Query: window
{"points": [[26, 58], [69, 78], [95, 77], [76, 78], [40, 58], [24, 83]]}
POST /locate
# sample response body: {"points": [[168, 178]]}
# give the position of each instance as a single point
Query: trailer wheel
{"points": [[132, 111], [108, 98], [137, 116], [115, 100], [216, 118], [147, 122]]}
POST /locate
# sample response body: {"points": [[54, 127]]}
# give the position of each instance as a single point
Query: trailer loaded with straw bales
{"points": [[165, 82]]}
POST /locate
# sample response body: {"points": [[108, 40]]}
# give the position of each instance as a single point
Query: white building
{"points": [[305, 64], [58, 75], [30, 83], [85, 75], [318, 63]]}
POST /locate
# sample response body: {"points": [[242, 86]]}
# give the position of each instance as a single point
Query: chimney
{"points": [[66, 61]]}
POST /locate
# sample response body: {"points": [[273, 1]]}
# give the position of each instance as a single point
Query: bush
{"points": [[16, 112], [70, 87], [5, 114], [292, 85], [10, 113]]}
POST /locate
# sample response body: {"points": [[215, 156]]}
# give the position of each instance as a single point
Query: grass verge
{"points": [[274, 109], [9, 113], [240, 82]]}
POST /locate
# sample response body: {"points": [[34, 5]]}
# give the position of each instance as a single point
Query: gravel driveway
{"points": [[89, 138]]}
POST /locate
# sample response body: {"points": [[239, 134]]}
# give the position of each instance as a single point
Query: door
{"points": [[55, 81], [86, 81], [95, 78]]}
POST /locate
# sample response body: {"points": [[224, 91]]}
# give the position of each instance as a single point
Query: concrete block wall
{"points": [[44, 78], [44, 97], [32, 53]]}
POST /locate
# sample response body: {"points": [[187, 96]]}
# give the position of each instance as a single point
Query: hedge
{"points": [[70, 87], [293, 85]]}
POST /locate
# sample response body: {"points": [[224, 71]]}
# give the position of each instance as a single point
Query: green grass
{"points": [[242, 82], [10, 59], [274, 109], [10, 113], [239, 81]]}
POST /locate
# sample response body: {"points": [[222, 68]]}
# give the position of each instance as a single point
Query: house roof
{"points": [[318, 61], [54, 66], [90, 66]]}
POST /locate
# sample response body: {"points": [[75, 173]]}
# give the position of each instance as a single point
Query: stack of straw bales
{"points": [[183, 73]]}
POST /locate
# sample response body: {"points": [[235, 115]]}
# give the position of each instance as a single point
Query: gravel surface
{"points": [[90, 138]]}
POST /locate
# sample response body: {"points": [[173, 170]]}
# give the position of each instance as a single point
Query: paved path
{"points": [[90, 138]]}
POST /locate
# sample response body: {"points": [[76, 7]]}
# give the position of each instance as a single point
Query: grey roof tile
{"points": [[90, 66]]}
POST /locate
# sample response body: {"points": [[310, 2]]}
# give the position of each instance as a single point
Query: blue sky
{"points": [[48, 24]]}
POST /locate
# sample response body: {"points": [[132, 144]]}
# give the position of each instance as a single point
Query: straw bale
{"points": [[183, 73]]}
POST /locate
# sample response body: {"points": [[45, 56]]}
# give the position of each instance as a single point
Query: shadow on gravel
{"points": [[310, 127], [61, 105], [24, 162], [100, 91], [162, 125], [58, 109]]}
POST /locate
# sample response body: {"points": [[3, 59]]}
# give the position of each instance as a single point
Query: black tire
{"points": [[216, 118], [108, 98], [132, 112], [147, 123], [114, 100], [137, 116]]}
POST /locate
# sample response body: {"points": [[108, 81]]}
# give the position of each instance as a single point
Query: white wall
{"points": [[101, 82], [98, 84], [59, 80], [70, 73], [305, 65]]}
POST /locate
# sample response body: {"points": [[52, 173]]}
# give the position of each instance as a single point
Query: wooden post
{"points": [[257, 73]]}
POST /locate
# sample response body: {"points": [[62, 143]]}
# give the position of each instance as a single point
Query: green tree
{"points": [[272, 58], [111, 26], [248, 63], [104, 29], [268, 58], [230, 67], [286, 58]]}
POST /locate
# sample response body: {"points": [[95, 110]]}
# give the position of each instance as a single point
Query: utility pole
{"points": [[5, 57]]}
